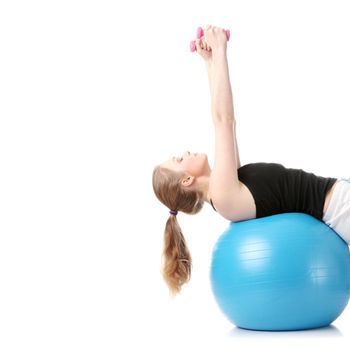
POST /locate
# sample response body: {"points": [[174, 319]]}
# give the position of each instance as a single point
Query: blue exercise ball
{"points": [[282, 272]]}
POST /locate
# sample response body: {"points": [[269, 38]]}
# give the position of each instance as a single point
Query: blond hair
{"points": [[177, 262]]}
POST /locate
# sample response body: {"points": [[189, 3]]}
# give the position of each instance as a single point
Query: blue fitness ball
{"points": [[282, 272]]}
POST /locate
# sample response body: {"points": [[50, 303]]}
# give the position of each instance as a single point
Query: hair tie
{"points": [[173, 212]]}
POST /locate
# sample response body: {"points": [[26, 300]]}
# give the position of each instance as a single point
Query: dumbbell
{"points": [[200, 34]]}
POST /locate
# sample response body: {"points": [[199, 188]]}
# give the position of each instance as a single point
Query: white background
{"points": [[94, 94]]}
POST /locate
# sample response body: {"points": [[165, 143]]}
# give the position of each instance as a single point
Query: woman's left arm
{"points": [[208, 65]]}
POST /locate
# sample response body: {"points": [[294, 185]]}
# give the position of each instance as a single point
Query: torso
{"points": [[247, 208], [329, 197]]}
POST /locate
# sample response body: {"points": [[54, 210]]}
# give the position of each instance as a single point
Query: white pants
{"points": [[337, 215]]}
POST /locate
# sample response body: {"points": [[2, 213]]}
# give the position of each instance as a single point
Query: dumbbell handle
{"points": [[200, 34]]}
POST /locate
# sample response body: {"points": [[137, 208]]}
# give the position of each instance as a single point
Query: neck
{"points": [[203, 186]]}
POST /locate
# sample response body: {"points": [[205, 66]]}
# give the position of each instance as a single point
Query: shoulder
{"points": [[236, 204]]}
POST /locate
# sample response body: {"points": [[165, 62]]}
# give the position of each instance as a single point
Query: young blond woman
{"points": [[236, 192]]}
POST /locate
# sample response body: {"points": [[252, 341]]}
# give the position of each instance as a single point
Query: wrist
{"points": [[208, 64], [219, 52]]}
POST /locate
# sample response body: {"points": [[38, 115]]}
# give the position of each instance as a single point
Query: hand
{"points": [[216, 38], [203, 49]]}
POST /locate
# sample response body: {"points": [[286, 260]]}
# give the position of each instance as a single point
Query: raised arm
{"points": [[216, 101], [224, 173]]}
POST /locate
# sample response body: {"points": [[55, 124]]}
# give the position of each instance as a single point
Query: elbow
{"points": [[219, 118]]}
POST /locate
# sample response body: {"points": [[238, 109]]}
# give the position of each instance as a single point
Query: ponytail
{"points": [[177, 262]]}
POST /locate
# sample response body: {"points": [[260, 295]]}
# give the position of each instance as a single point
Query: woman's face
{"points": [[195, 164]]}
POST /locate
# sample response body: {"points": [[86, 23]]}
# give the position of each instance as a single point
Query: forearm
{"points": [[220, 88]]}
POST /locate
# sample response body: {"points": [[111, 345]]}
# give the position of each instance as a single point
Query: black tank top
{"points": [[277, 189]]}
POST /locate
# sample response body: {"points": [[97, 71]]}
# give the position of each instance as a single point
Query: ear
{"points": [[187, 180]]}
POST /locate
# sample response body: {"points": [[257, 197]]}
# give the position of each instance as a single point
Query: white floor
{"points": [[191, 324]]}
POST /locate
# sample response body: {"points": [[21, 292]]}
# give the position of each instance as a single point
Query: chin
{"points": [[202, 155]]}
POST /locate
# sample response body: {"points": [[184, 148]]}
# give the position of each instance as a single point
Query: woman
{"points": [[236, 192]]}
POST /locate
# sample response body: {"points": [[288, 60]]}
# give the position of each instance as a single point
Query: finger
{"points": [[207, 30], [203, 43], [202, 47], [218, 30], [199, 45]]}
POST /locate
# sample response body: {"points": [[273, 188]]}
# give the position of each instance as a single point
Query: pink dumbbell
{"points": [[200, 34]]}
